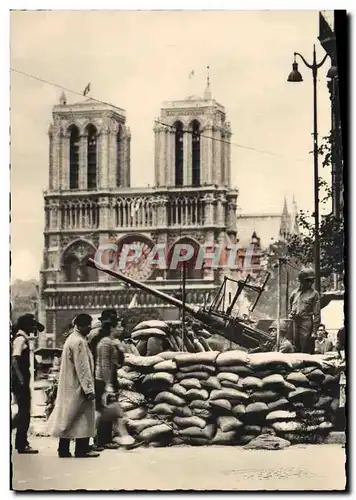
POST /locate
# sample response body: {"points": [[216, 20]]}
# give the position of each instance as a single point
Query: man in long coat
{"points": [[73, 416]]}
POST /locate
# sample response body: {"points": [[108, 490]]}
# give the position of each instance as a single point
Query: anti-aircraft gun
{"points": [[221, 315]]}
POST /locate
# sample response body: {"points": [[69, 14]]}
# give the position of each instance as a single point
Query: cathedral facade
{"points": [[89, 203]]}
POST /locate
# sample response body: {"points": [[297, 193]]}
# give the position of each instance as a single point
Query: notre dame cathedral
{"points": [[89, 202]]}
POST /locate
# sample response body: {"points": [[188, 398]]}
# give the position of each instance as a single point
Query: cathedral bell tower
{"points": [[192, 143], [89, 160]]}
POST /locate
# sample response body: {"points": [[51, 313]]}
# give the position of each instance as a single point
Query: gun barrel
{"points": [[235, 331], [142, 286]]}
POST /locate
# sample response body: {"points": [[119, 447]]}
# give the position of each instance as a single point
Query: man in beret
{"points": [[20, 378]]}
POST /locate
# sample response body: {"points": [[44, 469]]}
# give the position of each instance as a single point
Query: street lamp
{"points": [[295, 76]]}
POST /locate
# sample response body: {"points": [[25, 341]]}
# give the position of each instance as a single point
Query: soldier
{"points": [[284, 345], [304, 310]]}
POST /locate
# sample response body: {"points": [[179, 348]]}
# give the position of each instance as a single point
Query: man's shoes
{"points": [[65, 455], [27, 450], [88, 454], [112, 446], [97, 448]]}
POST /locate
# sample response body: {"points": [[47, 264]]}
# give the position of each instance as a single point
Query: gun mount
{"points": [[218, 317]]}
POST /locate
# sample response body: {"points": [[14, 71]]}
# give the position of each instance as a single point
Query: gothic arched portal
{"points": [[195, 125], [74, 143], [92, 157], [179, 153], [190, 272], [74, 261]]}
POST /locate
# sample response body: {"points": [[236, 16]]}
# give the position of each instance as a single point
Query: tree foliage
{"points": [[331, 228]]}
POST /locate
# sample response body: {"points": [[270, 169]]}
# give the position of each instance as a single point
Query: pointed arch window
{"points": [[118, 157], [92, 157], [179, 153], [74, 157], [195, 153]]}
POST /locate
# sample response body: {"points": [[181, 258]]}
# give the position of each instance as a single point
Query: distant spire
{"points": [[294, 227], [285, 221], [62, 99], [207, 92]]}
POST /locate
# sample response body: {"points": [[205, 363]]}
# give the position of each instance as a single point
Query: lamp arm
{"points": [[304, 61], [319, 65]]}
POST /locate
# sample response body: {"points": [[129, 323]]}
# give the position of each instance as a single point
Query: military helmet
{"points": [[306, 273]]}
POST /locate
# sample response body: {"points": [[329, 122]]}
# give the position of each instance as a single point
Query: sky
{"points": [[137, 60]]}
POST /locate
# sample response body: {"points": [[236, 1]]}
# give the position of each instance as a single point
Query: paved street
{"points": [[318, 467]]}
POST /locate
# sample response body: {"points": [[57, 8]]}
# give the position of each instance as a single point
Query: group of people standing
{"points": [[86, 401], [87, 388]]}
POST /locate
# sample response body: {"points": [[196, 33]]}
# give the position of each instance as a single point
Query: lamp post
{"points": [[296, 77]]}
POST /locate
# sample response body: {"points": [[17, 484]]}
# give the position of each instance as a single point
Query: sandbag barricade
{"points": [[231, 398]]}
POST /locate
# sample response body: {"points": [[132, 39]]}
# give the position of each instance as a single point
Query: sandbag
{"points": [[242, 371], [138, 426], [330, 380], [302, 395], [163, 409], [194, 394], [166, 366], [267, 442], [298, 379], [290, 426], [146, 333], [300, 360], [132, 397], [190, 383], [211, 383], [197, 375], [197, 432], [230, 385], [125, 383], [276, 382], [269, 360], [198, 403], [158, 379], [126, 372], [316, 376], [199, 412], [232, 358], [227, 423], [280, 404], [190, 422], [153, 433], [205, 358], [280, 415], [183, 411], [168, 397], [251, 383], [263, 373], [226, 376], [224, 438], [142, 361], [136, 414], [260, 409], [166, 355], [190, 441], [239, 410], [221, 404], [229, 394], [127, 405], [154, 323], [197, 368], [141, 346], [252, 430], [264, 396], [178, 390]]}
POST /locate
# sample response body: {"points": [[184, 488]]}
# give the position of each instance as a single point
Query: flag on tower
{"points": [[191, 74], [86, 90]]}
